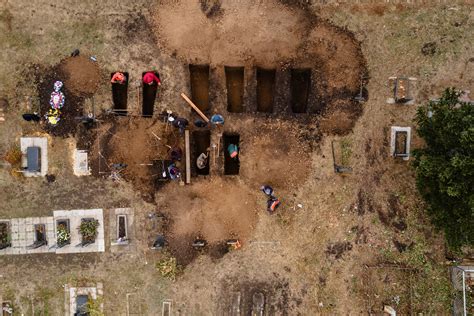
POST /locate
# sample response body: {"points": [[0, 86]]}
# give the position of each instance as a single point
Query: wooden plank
{"points": [[188, 156], [204, 117]]}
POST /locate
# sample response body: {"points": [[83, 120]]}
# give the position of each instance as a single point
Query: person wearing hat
{"points": [[233, 151], [150, 78], [119, 78]]}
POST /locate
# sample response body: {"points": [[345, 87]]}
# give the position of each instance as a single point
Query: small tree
{"points": [[445, 166]]}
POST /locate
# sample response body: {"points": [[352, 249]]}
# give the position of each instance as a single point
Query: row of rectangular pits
{"points": [[266, 82], [120, 96], [201, 141], [300, 88]]}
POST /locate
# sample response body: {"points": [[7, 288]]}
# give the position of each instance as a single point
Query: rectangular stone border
{"points": [[75, 217], [129, 245], [81, 157], [23, 234], [70, 294], [395, 129], [41, 142]]}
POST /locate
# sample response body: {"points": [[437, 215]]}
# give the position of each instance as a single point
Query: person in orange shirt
{"points": [[272, 204], [118, 77]]}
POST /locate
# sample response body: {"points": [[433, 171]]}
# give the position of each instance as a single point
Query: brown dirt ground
{"points": [[131, 141], [214, 210], [286, 255], [82, 75], [270, 35]]}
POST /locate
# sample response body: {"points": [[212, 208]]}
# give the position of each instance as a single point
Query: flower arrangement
{"points": [[4, 235], [88, 229], [62, 235]]}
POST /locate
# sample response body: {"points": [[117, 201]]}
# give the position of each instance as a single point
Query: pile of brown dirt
{"points": [[269, 160], [270, 35], [81, 75], [340, 116], [131, 141], [214, 210]]}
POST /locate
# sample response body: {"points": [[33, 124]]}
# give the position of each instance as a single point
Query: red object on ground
{"points": [[118, 77], [150, 77]]}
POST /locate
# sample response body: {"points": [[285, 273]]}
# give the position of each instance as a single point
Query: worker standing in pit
{"points": [[119, 78], [201, 161], [233, 151], [150, 78]]}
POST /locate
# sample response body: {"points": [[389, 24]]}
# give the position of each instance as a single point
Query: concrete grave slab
{"points": [[39, 142], [120, 243], [81, 163], [396, 133]]}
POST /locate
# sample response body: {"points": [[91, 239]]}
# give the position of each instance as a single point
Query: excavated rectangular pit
{"points": [[120, 95], [234, 77], [199, 75], [300, 87], [231, 165], [201, 142], [265, 89], [122, 226], [401, 143], [149, 96]]}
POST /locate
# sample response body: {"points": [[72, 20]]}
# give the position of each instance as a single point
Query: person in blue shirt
{"points": [[233, 151]]}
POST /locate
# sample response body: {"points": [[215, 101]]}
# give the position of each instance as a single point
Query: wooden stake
{"points": [[188, 156], [138, 98], [204, 117], [214, 153], [160, 140]]}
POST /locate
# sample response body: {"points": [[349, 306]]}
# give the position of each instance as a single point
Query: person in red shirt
{"points": [[150, 77], [118, 77]]}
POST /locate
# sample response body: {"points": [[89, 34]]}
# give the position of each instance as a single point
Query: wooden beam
{"points": [[188, 157], [185, 97]]}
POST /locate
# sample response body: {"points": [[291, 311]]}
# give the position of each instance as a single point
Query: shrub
{"points": [[168, 268], [13, 155], [88, 229], [445, 166]]}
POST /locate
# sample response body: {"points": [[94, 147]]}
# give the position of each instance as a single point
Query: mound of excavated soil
{"points": [[122, 140], [269, 34], [81, 75], [215, 210]]}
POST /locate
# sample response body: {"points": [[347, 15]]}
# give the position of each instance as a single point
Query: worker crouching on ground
{"points": [[233, 151], [273, 202], [119, 78], [268, 190], [150, 78], [174, 172], [180, 123], [217, 120]]}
